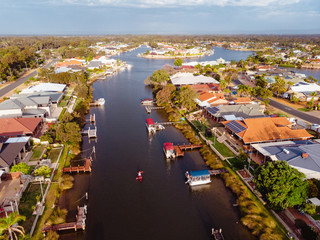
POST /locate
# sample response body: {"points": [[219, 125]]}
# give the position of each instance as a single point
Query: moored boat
{"points": [[169, 150], [147, 101], [101, 101], [198, 177], [150, 125]]}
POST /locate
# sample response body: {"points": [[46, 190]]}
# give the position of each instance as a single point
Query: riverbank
{"points": [[255, 216]]}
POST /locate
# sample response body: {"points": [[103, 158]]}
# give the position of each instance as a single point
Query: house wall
{"points": [[16, 112]]}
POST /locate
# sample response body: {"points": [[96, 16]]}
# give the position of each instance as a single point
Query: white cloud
{"points": [[177, 3]]}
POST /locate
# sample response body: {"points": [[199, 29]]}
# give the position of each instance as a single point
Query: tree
{"points": [[261, 81], [281, 185], [178, 62], [279, 86], [243, 89], [165, 95], [187, 97], [153, 44], [43, 171], [81, 90], [21, 167], [8, 224], [160, 77], [68, 133]]}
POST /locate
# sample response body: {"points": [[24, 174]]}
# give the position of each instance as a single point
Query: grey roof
{"points": [[9, 152], [54, 96], [34, 112], [292, 153], [11, 104], [94, 64], [241, 110], [41, 100], [26, 101]]}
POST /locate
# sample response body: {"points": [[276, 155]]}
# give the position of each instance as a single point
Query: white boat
{"points": [[198, 177], [101, 101]]}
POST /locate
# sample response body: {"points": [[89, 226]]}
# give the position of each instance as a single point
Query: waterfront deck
{"points": [[92, 133], [93, 118], [218, 171], [179, 149], [78, 169], [78, 224], [150, 108]]}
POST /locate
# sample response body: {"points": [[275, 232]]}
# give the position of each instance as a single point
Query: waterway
{"points": [[162, 206]]}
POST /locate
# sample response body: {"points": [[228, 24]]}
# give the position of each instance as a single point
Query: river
{"points": [[162, 206]]}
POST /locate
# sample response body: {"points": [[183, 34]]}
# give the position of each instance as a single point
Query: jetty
{"points": [[80, 222], [93, 118], [217, 234], [150, 108], [98, 102], [179, 149], [78, 169], [218, 171], [92, 133]]}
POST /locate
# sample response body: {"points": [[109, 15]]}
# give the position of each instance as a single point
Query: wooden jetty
{"points": [[179, 149], [80, 222], [218, 171], [92, 133], [150, 108], [166, 123], [85, 168], [93, 118], [217, 234]]}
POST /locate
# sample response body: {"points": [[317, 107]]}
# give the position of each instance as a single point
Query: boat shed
{"points": [[149, 121]]}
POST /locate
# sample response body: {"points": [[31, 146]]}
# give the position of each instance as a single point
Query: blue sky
{"points": [[86, 17]]}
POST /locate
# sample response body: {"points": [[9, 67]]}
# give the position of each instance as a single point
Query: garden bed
{"points": [[37, 152]]}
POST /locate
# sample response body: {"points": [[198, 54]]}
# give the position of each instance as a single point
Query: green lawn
{"points": [[53, 154], [223, 149], [28, 202], [37, 151]]}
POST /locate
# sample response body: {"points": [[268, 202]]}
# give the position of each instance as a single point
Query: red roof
{"points": [[18, 126], [168, 146], [150, 121]]}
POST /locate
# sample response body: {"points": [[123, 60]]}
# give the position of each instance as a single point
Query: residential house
{"points": [[207, 99], [191, 79], [24, 106], [45, 87], [18, 127], [13, 150], [235, 112], [303, 90], [259, 130], [302, 155]]}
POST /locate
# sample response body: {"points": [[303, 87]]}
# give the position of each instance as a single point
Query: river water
{"points": [[162, 206]]}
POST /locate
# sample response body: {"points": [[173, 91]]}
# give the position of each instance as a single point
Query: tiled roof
{"points": [[268, 129], [18, 126]]}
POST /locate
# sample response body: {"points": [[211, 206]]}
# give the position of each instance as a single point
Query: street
{"points": [[21, 80]]}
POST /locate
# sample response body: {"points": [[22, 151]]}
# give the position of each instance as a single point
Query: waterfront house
{"points": [[302, 155], [235, 112], [303, 90], [259, 130], [207, 99], [45, 87], [179, 79], [17, 127], [26, 106]]}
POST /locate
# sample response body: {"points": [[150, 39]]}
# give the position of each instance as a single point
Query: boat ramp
{"points": [[80, 222], [85, 168]]}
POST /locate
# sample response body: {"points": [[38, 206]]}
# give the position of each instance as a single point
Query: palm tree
{"points": [[244, 89], [279, 86], [9, 224]]}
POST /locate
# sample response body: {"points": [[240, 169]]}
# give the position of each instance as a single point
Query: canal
{"points": [[162, 206]]}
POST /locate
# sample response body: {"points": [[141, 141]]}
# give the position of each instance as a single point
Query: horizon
{"points": [[161, 17]]}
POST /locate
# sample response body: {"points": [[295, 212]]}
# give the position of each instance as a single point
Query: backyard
{"points": [[37, 152], [54, 154], [28, 202]]}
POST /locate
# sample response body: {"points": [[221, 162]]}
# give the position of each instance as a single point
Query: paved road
{"points": [[21, 80], [294, 112]]}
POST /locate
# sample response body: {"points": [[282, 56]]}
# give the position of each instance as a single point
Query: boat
{"points": [[150, 125], [146, 101], [198, 177], [101, 101], [217, 234], [169, 150], [139, 178]]}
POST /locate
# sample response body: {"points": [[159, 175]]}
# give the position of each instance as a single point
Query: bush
{"points": [[21, 167]]}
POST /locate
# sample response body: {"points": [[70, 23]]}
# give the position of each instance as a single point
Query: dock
{"points": [[217, 234], [218, 171], [78, 169], [92, 133], [179, 149], [150, 108], [166, 123], [93, 118], [80, 222]]}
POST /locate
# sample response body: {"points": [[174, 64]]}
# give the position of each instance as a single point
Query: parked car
{"points": [[315, 127]]}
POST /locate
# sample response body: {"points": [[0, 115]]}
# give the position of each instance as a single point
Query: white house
{"points": [[190, 79]]}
